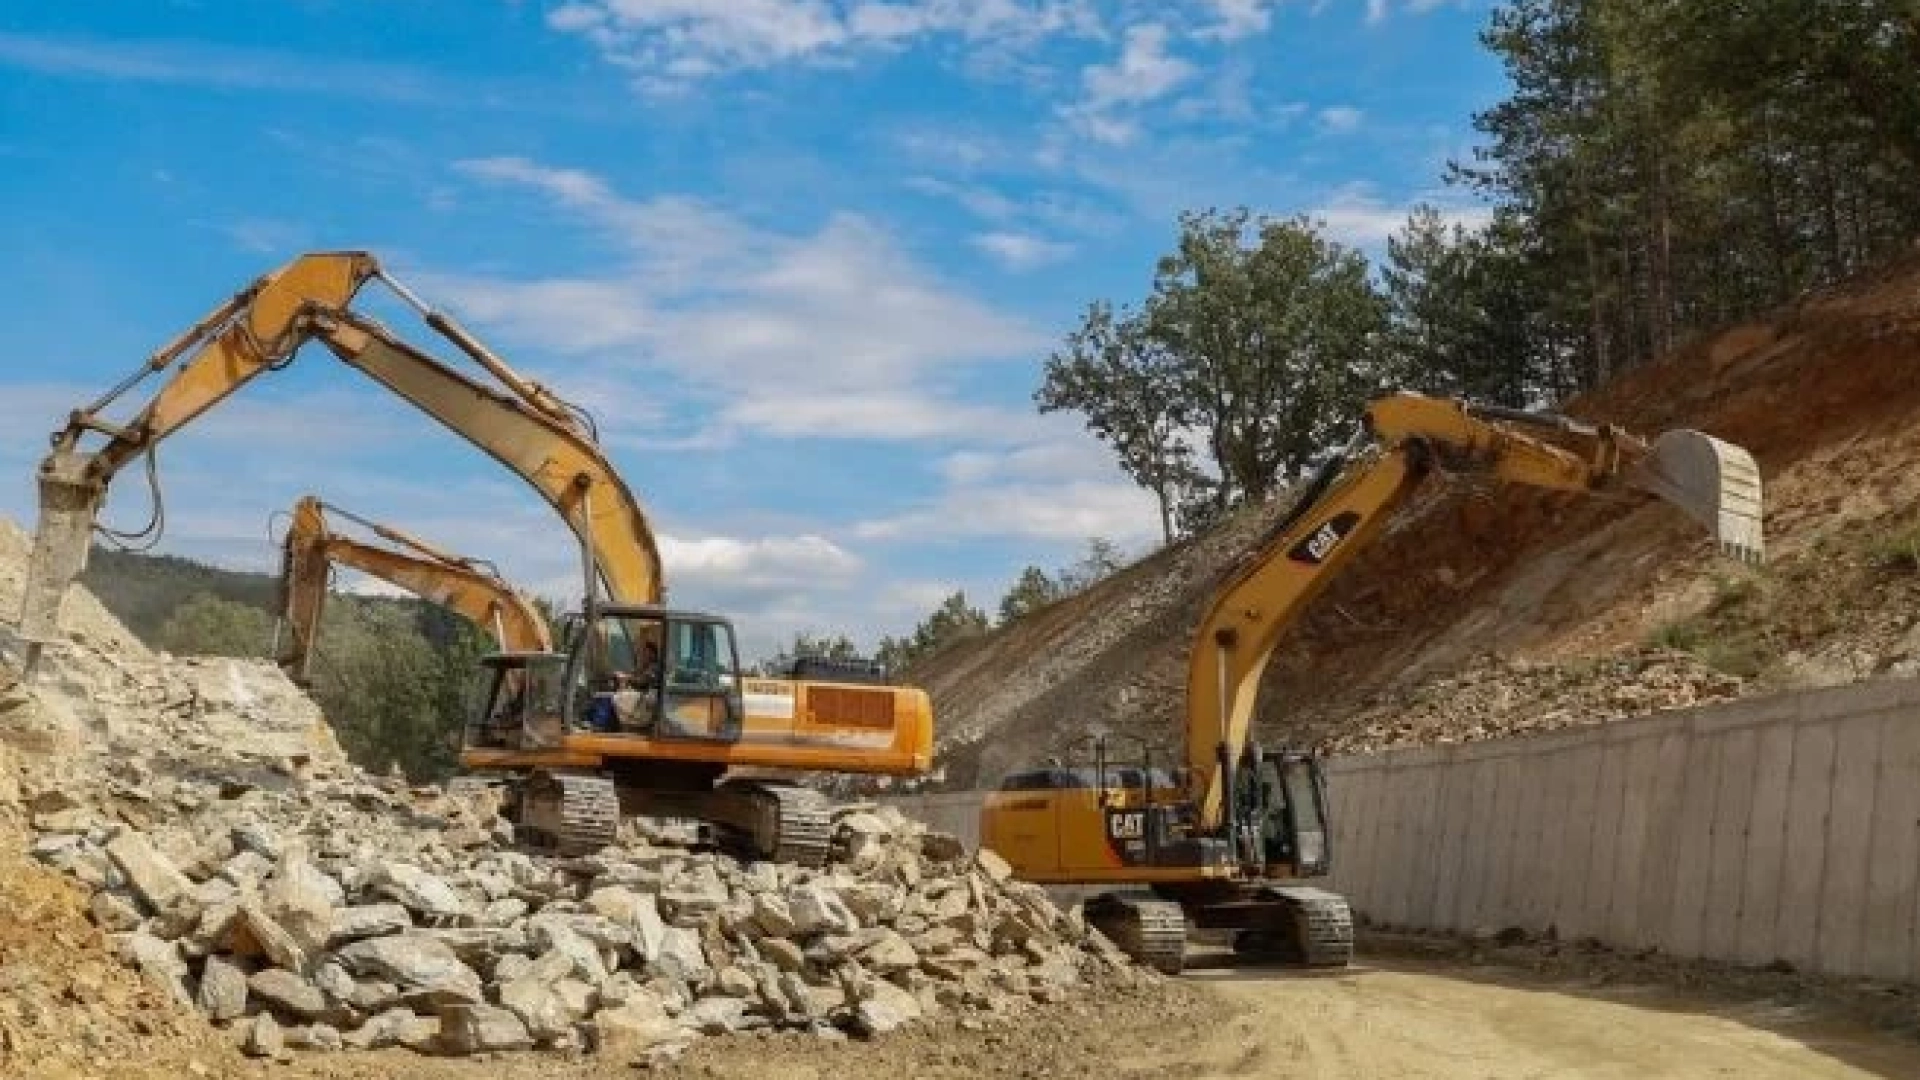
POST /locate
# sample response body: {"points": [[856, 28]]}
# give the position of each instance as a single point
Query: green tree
{"points": [[954, 620], [1676, 164], [384, 688], [1032, 590], [1097, 561], [205, 625], [1459, 312], [1276, 329], [804, 644], [1128, 386]]}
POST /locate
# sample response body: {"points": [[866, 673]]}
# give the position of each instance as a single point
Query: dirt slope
{"points": [[1488, 610]]}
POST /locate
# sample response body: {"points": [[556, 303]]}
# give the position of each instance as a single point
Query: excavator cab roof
{"points": [[510, 659], [656, 611]]}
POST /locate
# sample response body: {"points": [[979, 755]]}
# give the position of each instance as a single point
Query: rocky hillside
{"points": [[1489, 610], [194, 875]]}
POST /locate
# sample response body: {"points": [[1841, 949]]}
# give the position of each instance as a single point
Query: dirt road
{"points": [[1402, 1023], [1394, 1020]]}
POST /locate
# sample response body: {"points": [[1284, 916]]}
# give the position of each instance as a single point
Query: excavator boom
{"points": [[525, 427], [466, 586], [1344, 509]]}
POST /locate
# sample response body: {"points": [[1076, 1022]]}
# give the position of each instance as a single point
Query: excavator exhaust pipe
{"points": [[1713, 482]]}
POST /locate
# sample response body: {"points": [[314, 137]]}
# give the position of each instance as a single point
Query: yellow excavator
{"points": [[469, 587], [1226, 841], [645, 710]]}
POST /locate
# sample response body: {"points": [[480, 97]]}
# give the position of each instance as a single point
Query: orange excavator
{"points": [[1228, 841], [467, 586], [645, 711]]}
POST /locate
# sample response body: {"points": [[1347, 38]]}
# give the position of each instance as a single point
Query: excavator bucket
{"points": [[1713, 482]]}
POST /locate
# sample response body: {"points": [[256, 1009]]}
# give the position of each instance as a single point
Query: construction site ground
{"points": [[1484, 613]]}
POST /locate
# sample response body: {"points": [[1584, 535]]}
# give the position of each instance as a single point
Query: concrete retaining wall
{"points": [[1779, 828], [1784, 828]]}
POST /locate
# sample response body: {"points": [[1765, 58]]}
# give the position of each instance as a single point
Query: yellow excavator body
{"points": [[1228, 842], [675, 753]]}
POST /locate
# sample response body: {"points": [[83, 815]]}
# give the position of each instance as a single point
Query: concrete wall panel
{"points": [[1758, 939], [1694, 823], [1732, 809], [1809, 798], [1849, 840], [1894, 862]]}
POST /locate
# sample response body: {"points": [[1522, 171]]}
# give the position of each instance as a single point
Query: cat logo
{"points": [[1320, 543], [1127, 825]]}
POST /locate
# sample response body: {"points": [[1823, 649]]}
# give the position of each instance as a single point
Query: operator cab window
{"points": [[659, 677], [701, 691]]}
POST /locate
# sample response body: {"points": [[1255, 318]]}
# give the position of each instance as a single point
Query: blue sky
{"points": [[802, 258]]}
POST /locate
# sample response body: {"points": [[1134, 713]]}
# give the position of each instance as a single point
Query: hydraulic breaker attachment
{"points": [[1712, 481], [69, 501]]}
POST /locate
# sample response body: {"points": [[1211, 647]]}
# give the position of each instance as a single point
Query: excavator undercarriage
{"points": [[576, 811], [1296, 925]]}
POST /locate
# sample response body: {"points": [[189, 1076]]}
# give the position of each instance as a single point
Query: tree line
{"points": [[394, 676], [1661, 167]]}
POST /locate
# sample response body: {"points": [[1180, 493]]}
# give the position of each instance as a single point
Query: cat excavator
{"points": [[1228, 840], [469, 587], [644, 710]]}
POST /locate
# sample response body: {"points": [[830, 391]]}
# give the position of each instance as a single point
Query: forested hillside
{"points": [[391, 674]]}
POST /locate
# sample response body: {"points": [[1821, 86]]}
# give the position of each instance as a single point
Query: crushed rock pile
{"points": [[349, 912], [246, 869]]}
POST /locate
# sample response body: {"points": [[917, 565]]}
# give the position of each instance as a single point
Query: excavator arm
{"points": [[1350, 501], [466, 586], [260, 329]]}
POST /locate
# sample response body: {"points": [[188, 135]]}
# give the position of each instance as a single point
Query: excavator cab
{"points": [[628, 670], [1283, 814]]}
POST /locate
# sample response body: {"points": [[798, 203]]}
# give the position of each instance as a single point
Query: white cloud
{"points": [[1341, 119], [1144, 72], [1021, 251], [895, 414], [729, 309], [668, 43], [1067, 455], [1069, 511], [1376, 11], [1238, 19], [1355, 214], [192, 63], [265, 236], [761, 562], [977, 199]]}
